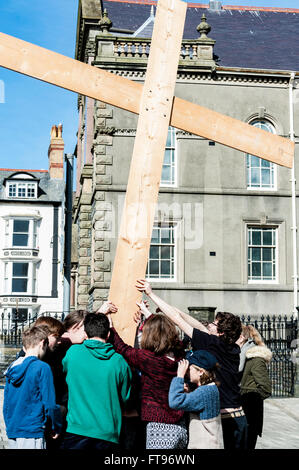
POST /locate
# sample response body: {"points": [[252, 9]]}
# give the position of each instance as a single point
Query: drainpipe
{"points": [[293, 182], [69, 158]]}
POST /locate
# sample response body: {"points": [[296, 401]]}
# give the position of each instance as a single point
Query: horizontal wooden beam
{"points": [[62, 71]]}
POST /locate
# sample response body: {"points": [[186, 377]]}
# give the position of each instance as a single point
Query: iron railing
{"points": [[13, 327]]}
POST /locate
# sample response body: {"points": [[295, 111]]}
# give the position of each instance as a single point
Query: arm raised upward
{"points": [[181, 319]]}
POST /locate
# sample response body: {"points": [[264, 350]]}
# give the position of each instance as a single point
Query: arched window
{"points": [[261, 174]]}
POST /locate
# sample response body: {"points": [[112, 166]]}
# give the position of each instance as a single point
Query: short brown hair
{"points": [[73, 318], [230, 326], [32, 336], [55, 326], [160, 335]]}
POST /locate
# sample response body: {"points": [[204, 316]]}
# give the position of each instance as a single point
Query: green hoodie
{"points": [[99, 382]]}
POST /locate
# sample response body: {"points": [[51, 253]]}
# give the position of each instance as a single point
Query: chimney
{"points": [[215, 5], [56, 152]]}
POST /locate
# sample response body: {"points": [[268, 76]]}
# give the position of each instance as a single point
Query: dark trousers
{"points": [[253, 405], [234, 433], [74, 441]]}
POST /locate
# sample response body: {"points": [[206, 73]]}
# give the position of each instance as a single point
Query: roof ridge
{"points": [[22, 169], [224, 7], [253, 8]]}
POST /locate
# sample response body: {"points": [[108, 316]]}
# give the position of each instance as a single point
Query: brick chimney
{"points": [[56, 152]]}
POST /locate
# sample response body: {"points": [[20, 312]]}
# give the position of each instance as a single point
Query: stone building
{"points": [[225, 229], [32, 242]]}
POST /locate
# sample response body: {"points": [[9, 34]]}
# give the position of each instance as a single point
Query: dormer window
{"points": [[21, 188]]}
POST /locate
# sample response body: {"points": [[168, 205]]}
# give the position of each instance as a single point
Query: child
{"points": [[29, 394], [157, 359], [205, 429]]}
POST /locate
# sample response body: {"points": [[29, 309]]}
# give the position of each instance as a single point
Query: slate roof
{"points": [[49, 190], [247, 37]]}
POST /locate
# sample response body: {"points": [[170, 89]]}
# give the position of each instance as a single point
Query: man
{"points": [[220, 340], [99, 383]]}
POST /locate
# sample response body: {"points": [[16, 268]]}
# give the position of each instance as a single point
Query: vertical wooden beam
{"points": [[146, 164]]}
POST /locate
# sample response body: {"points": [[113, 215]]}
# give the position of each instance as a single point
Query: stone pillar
{"points": [[203, 314], [101, 208], [84, 237]]}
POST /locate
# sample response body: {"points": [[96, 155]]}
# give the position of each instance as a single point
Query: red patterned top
{"points": [[157, 373]]}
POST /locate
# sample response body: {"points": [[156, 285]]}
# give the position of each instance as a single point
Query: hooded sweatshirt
{"points": [[29, 399], [99, 383]]}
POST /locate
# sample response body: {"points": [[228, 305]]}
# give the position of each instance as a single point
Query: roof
{"points": [[50, 189], [246, 37]]}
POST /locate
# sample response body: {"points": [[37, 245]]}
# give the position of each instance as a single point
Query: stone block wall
{"points": [[101, 208]]}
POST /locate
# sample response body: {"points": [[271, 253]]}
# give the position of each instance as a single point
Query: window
{"points": [[261, 174], [262, 254], [19, 277], [169, 166], [161, 263], [23, 190], [20, 234]]}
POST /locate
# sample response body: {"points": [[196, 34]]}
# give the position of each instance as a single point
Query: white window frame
{"points": [[274, 261], [31, 277], [174, 227], [32, 232], [173, 159], [19, 186], [265, 125]]}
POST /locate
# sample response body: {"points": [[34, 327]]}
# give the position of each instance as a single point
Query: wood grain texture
{"points": [[146, 164]]}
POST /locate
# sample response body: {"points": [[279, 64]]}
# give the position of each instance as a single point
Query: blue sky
{"points": [[30, 107]]}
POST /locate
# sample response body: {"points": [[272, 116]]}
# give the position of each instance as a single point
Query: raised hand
{"points": [[137, 316], [143, 308], [107, 307], [182, 368], [144, 286]]}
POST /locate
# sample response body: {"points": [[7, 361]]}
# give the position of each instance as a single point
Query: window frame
{"points": [[32, 232], [174, 226], [19, 185], [14, 277], [173, 161], [272, 166], [274, 262], [32, 277]]}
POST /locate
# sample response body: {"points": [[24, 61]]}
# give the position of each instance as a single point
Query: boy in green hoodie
{"points": [[99, 383]]}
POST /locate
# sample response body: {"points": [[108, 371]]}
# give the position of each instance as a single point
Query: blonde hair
{"points": [[208, 376], [34, 335], [248, 331]]}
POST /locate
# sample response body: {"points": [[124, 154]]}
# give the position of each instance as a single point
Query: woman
{"points": [[157, 360], [255, 385]]}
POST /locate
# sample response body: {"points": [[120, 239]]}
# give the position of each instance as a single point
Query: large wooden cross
{"points": [[157, 108]]}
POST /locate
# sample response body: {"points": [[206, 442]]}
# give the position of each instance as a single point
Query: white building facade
{"points": [[31, 240]]}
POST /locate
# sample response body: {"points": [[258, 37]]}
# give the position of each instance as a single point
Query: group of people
{"points": [[77, 385]]}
